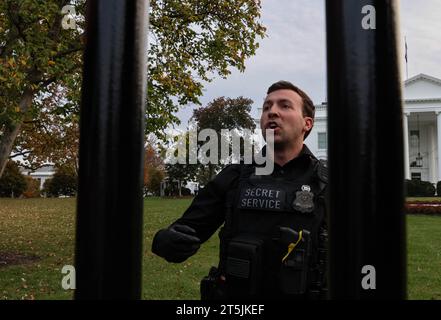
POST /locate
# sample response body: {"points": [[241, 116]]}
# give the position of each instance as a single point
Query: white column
{"points": [[438, 138], [432, 155], [406, 145]]}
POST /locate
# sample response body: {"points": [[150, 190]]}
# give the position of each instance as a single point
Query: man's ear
{"points": [[309, 122]]}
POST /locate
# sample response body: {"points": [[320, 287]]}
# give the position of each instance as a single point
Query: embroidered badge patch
{"points": [[304, 201]]}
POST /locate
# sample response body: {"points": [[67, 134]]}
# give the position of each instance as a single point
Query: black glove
{"points": [[176, 243]]}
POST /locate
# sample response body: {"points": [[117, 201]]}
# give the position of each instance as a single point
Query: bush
{"points": [[185, 191], [417, 207], [153, 184], [172, 190], [32, 188], [417, 188], [63, 183], [12, 182], [438, 189]]}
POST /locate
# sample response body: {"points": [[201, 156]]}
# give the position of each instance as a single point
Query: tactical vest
{"points": [[273, 241]]}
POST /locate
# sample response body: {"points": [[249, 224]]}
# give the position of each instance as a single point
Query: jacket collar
{"points": [[305, 153]]}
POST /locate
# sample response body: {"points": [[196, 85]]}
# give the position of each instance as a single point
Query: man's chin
{"points": [[279, 144]]}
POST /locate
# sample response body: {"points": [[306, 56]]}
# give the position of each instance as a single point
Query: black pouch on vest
{"points": [[212, 288], [294, 269], [244, 266]]}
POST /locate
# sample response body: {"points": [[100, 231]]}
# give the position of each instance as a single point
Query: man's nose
{"points": [[272, 112]]}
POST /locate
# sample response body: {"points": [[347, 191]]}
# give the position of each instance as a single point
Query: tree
{"points": [[190, 42], [12, 183], [154, 169], [63, 183], [151, 160], [53, 137], [222, 113], [35, 53], [32, 188], [156, 176], [180, 173]]}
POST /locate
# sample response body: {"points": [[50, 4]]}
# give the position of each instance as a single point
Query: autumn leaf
{"points": [[190, 43]]}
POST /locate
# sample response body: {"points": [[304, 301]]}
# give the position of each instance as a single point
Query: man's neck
{"points": [[286, 154]]}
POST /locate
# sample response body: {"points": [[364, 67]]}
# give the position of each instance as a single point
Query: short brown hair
{"points": [[308, 109]]}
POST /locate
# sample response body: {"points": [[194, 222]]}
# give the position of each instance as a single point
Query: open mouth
{"points": [[272, 125]]}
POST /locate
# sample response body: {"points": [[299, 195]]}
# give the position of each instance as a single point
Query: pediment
{"points": [[422, 86]]}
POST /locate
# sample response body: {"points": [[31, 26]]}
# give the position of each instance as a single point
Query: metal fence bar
{"points": [[367, 223], [110, 206]]}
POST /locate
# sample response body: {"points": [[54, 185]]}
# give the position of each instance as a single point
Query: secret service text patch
{"points": [[262, 198]]}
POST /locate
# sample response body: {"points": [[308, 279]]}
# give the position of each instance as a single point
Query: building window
{"points": [[322, 140], [414, 138], [416, 176]]}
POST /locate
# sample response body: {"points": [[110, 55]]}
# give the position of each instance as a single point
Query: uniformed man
{"points": [[273, 238]]}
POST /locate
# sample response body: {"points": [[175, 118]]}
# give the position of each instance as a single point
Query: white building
{"points": [[41, 174], [421, 124]]}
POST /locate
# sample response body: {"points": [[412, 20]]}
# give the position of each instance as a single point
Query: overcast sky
{"points": [[294, 50]]}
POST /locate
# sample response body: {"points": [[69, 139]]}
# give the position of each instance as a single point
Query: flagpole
{"points": [[405, 56]]}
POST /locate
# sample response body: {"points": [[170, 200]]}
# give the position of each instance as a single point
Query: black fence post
{"points": [[367, 222], [110, 205]]}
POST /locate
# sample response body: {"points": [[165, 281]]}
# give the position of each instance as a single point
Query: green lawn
{"points": [[45, 228], [424, 257], [425, 199]]}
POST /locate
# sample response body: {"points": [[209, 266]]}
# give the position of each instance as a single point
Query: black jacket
{"points": [[207, 211]]}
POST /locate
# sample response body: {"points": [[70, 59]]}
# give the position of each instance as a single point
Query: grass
{"points": [[45, 228], [41, 227], [424, 199], [424, 257], [163, 280]]}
